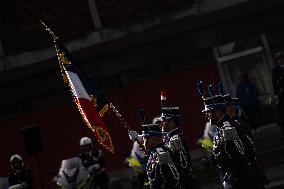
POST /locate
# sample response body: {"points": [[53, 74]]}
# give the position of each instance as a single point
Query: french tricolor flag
{"points": [[85, 96]]}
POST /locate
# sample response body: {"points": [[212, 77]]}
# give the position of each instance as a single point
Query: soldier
{"points": [[95, 158], [20, 176], [162, 172], [233, 150], [176, 143]]}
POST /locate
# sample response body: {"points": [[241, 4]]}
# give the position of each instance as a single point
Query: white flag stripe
{"points": [[78, 89]]}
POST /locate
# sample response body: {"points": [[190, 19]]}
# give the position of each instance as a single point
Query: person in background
{"points": [[20, 177], [95, 158], [278, 87], [247, 95]]}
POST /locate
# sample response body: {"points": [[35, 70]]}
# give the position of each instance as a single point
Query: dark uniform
{"points": [[96, 157], [235, 156], [182, 159], [178, 148], [233, 150], [20, 175], [161, 171], [227, 98]]}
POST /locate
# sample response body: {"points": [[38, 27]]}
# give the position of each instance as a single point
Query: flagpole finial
{"points": [[55, 38]]}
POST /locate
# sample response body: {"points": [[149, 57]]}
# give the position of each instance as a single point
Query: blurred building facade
{"points": [[133, 49]]}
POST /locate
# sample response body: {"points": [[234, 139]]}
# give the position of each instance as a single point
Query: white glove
{"points": [[133, 135], [94, 168], [17, 186], [227, 185]]}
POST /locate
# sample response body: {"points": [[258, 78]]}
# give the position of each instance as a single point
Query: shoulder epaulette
{"points": [[229, 132], [175, 143]]}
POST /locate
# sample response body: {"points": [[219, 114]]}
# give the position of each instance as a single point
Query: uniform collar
{"points": [[174, 132]]}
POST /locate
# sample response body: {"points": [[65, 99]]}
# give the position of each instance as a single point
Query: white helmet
{"points": [[16, 156], [85, 141]]}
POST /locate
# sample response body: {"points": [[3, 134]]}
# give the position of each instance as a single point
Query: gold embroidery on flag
{"points": [[104, 110], [94, 99], [103, 137], [63, 58]]}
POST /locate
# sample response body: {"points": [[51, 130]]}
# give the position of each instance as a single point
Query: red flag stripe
{"points": [[88, 110]]}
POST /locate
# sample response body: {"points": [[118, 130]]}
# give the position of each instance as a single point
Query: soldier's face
{"points": [[231, 110], [149, 142], [86, 148], [164, 124], [212, 117], [17, 164], [167, 125]]}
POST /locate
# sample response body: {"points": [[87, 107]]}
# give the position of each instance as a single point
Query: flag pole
{"points": [[126, 125], [119, 116], [55, 40], [49, 31]]}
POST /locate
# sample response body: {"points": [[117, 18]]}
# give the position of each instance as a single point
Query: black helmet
{"points": [[151, 130]]}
